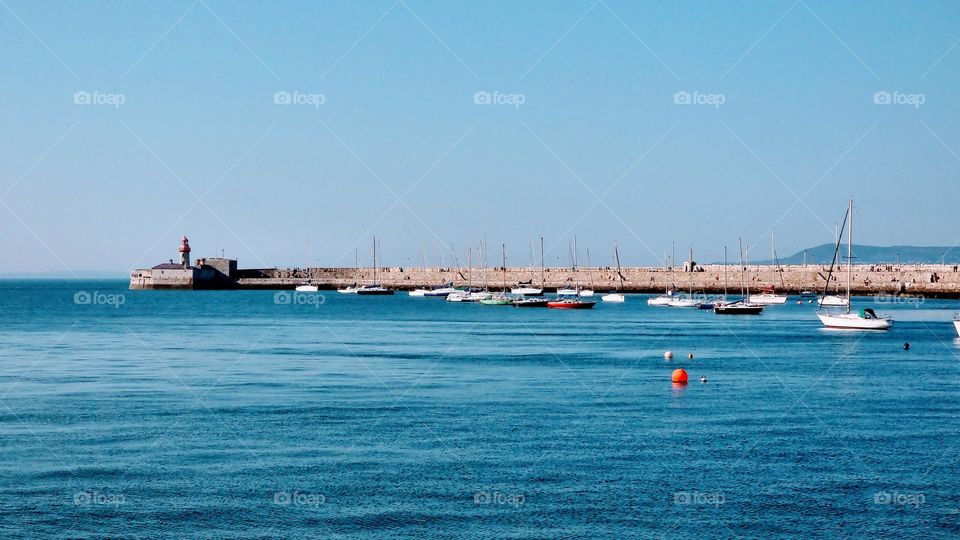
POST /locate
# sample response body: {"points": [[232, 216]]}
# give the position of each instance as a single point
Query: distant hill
{"points": [[823, 254]]}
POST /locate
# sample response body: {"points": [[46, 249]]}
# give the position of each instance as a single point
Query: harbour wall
{"points": [[928, 280]]}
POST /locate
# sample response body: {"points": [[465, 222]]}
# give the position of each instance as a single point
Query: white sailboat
{"points": [[686, 301], [375, 288], [737, 307], [575, 290], [616, 296], [420, 291], [956, 323], [769, 296], [308, 286], [352, 289], [865, 319], [589, 291], [832, 300], [527, 288], [665, 298]]}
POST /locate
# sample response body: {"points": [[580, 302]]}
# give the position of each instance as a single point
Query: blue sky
{"points": [[786, 128]]}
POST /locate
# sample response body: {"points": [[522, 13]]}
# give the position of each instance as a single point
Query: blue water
{"points": [[227, 415]]}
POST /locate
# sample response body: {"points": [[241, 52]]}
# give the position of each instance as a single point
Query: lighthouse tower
{"points": [[185, 252]]}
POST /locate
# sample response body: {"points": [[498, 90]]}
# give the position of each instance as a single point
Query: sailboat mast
{"points": [[469, 267], [541, 262], [374, 260], [742, 268], [503, 254], [849, 252], [531, 260], [724, 273], [673, 263], [576, 278], [746, 259], [616, 255], [308, 258], [589, 269]]}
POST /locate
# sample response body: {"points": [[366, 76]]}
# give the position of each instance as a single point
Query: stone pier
{"points": [[929, 280]]}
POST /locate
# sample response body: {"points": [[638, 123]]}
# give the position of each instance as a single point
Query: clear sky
{"points": [[642, 123]]}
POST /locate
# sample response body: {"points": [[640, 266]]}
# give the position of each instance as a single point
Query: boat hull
{"points": [[615, 298], [531, 303], [418, 292], [307, 288], [446, 291], [853, 321], [527, 291], [570, 304], [374, 291], [768, 299], [956, 326], [738, 309]]}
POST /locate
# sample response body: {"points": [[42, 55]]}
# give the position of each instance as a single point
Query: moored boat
{"points": [[442, 290], [307, 287], [371, 290], [500, 298], [683, 302], [616, 296], [768, 297], [956, 323], [570, 303], [864, 319], [662, 300], [737, 307], [497, 300], [531, 302], [526, 290], [832, 300]]}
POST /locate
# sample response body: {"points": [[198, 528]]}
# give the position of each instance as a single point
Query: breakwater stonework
{"points": [[929, 280]]}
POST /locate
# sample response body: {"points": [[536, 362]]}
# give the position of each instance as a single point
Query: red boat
{"points": [[570, 303]]}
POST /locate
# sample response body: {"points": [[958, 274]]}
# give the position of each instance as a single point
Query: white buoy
{"points": [[703, 379], [668, 355], [690, 356]]}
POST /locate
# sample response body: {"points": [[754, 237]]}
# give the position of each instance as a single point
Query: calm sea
{"points": [[243, 414]]}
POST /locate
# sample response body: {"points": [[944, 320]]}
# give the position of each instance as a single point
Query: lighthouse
{"points": [[185, 252]]}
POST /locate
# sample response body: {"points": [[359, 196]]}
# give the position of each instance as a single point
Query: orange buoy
{"points": [[680, 376]]}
